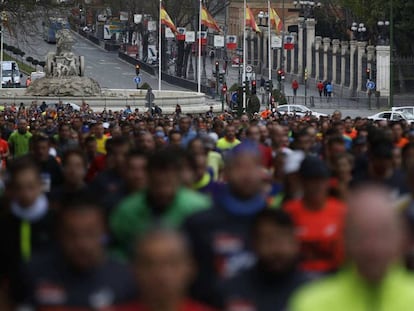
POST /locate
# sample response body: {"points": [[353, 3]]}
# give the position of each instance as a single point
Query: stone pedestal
{"points": [[64, 86], [335, 53], [360, 79], [326, 46], [318, 42], [383, 70], [344, 53], [300, 41], [352, 49], [310, 40], [292, 59]]}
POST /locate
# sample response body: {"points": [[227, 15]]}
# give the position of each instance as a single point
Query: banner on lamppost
{"points": [[168, 33], [181, 33], [190, 36], [289, 43], [219, 41], [231, 42], [276, 42], [123, 16], [203, 35], [137, 18], [152, 25]]}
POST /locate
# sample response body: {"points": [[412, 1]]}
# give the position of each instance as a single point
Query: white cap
{"points": [[293, 161], [105, 125], [213, 136]]}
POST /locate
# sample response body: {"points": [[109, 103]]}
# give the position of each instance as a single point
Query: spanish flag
{"points": [[250, 21], [275, 20], [166, 20], [208, 21]]}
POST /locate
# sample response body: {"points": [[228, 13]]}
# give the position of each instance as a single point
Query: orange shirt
{"points": [[402, 142], [320, 233]]}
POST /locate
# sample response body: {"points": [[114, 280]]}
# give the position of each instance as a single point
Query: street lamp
{"points": [[383, 38], [307, 8], [358, 31], [263, 24]]}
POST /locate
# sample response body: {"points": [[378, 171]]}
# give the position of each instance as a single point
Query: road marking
{"points": [[119, 68]]}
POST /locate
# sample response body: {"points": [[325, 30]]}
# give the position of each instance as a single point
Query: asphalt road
{"points": [[103, 66]]}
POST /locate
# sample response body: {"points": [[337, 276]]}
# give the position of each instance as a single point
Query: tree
{"points": [[370, 11]]}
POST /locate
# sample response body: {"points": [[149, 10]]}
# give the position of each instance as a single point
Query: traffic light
{"points": [[279, 75], [269, 86], [221, 78], [13, 66], [368, 73], [137, 69], [224, 88], [217, 66], [254, 91]]}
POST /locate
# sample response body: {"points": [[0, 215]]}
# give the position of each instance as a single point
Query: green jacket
{"points": [[134, 216], [346, 291]]}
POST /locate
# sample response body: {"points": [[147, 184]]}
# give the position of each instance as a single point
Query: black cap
{"points": [[313, 167], [360, 140]]}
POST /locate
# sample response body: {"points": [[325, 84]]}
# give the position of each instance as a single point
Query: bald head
{"points": [[163, 267], [374, 231]]}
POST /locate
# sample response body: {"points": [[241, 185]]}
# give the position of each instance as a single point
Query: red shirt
{"points": [[4, 148], [320, 233], [188, 305]]}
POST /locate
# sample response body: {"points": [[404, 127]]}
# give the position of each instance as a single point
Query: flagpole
{"points": [[159, 49], [244, 55], [270, 40], [199, 47]]}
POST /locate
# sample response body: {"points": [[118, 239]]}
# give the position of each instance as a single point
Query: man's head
{"points": [[24, 182], [40, 145], [397, 131], [163, 171], [136, 170], [230, 132], [116, 154], [315, 179], [175, 138], [184, 124], [22, 126], [375, 234], [243, 169], [81, 232], [380, 156], [253, 134], [163, 267], [64, 132], [146, 142], [74, 167], [275, 244]]}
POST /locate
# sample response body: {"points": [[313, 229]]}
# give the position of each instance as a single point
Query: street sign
{"points": [[219, 41], [231, 42], [190, 36], [276, 42], [181, 33], [168, 33], [370, 85], [234, 97], [289, 43], [137, 80], [249, 68]]}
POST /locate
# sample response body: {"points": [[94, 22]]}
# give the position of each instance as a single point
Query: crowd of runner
{"points": [[137, 211]]}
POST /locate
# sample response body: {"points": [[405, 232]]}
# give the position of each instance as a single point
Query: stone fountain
{"points": [[65, 72]]}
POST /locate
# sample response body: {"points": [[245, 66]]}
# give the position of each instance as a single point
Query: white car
{"points": [[74, 106], [393, 116], [299, 110], [409, 109]]}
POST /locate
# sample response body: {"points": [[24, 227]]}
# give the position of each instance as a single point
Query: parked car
{"points": [[299, 110], [64, 104], [409, 109], [393, 116]]}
